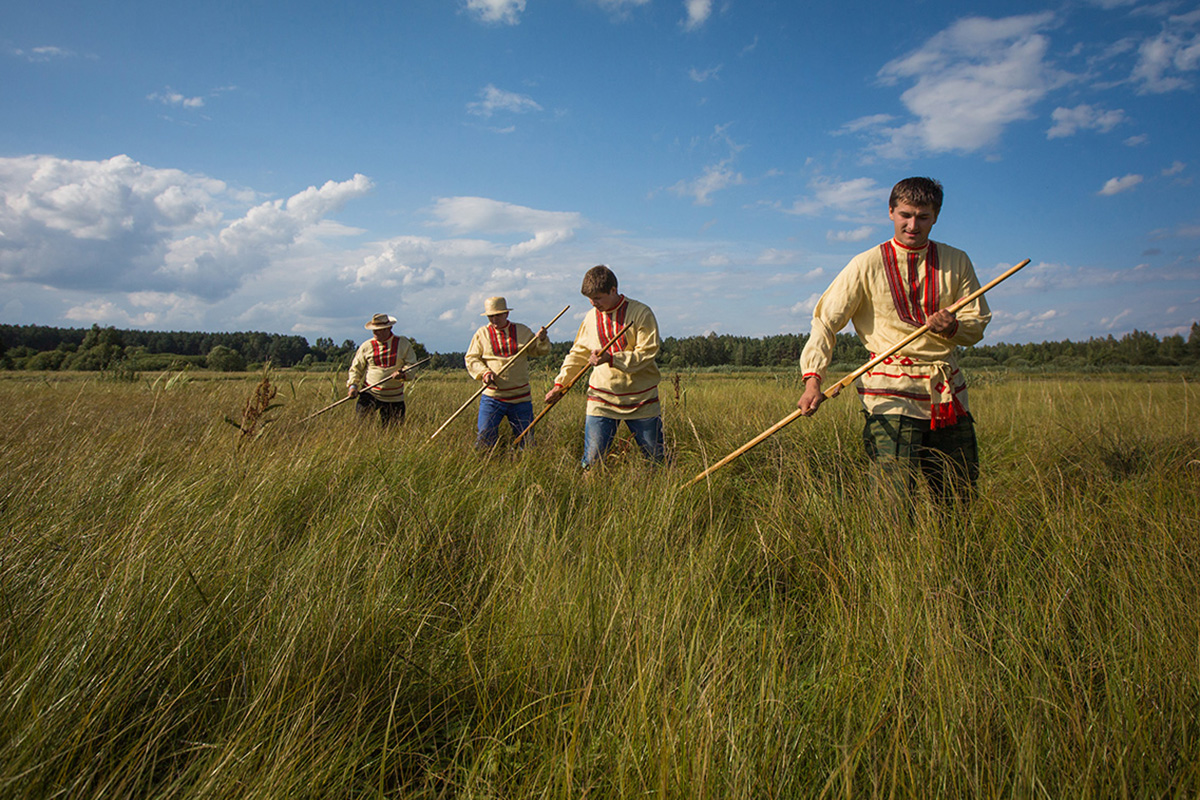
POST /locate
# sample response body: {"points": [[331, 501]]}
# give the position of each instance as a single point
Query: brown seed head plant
{"points": [[254, 414]]}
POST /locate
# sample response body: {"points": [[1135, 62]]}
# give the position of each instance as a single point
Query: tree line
{"points": [[40, 347]]}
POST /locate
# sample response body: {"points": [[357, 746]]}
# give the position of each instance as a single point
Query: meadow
{"points": [[323, 609]]}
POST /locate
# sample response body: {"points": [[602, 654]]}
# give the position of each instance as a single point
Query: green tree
{"points": [[225, 359]]}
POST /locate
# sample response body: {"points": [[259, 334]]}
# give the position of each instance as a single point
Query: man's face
{"points": [[383, 334], [498, 320], [607, 301], [913, 223]]}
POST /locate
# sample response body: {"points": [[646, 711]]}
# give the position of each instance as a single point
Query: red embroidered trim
{"points": [[504, 340], [651, 401], [607, 325], [907, 292], [385, 355], [621, 394]]}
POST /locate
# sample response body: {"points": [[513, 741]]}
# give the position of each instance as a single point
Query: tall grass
{"points": [[334, 610]]}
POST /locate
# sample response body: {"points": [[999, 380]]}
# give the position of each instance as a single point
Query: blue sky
{"points": [[295, 167]]}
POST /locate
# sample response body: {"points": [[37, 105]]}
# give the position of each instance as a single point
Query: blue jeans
{"points": [[599, 432], [492, 412]]}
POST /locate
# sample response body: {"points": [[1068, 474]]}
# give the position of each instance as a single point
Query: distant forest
{"points": [[39, 347]]}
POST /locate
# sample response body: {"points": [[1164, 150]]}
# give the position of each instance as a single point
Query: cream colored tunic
{"points": [[887, 292], [628, 387], [491, 348], [375, 360]]}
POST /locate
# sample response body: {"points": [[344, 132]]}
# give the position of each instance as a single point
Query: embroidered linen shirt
{"points": [[491, 348], [887, 292], [628, 387], [375, 360]]}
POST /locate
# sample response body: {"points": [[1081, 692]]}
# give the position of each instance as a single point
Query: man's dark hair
{"points": [[598, 280], [917, 192]]}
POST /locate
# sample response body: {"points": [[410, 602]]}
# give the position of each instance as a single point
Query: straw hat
{"points": [[379, 322], [494, 305]]}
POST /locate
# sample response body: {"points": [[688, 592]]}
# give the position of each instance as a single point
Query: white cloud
{"points": [[1111, 322], [700, 76], [1164, 60], [506, 12], [493, 100], [170, 97], [715, 178], [482, 215], [969, 82], [807, 305], [119, 224], [860, 234], [698, 12], [41, 55], [1068, 121], [866, 123], [775, 256], [1117, 185], [620, 8], [1175, 168], [854, 199], [1137, 141]]}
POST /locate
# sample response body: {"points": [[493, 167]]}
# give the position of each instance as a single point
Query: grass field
{"points": [[327, 610]]}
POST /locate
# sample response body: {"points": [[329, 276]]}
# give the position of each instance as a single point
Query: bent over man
{"points": [[506, 395], [376, 359], [624, 383], [917, 414]]}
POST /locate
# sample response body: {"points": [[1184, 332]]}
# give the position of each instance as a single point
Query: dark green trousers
{"points": [[901, 447]]}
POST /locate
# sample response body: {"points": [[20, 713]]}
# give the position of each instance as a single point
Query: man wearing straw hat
{"points": [[505, 395], [376, 359], [917, 417], [624, 382]]}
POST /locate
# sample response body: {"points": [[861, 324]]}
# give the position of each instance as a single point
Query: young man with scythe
{"points": [[624, 382], [506, 393], [376, 359], [915, 401]]}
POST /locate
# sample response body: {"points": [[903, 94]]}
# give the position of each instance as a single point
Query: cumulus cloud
{"points": [[493, 100], [503, 12], [1117, 185], [484, 216], [1068, 121], [698, 12], [969, 82], [405, 261], [807, 305], [119, 224]]}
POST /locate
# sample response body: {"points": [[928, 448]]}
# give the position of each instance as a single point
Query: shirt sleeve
{"points": [[358, 369], [474, 358], [645, 345], [833, 312], [975, 315], [576, 358]]}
